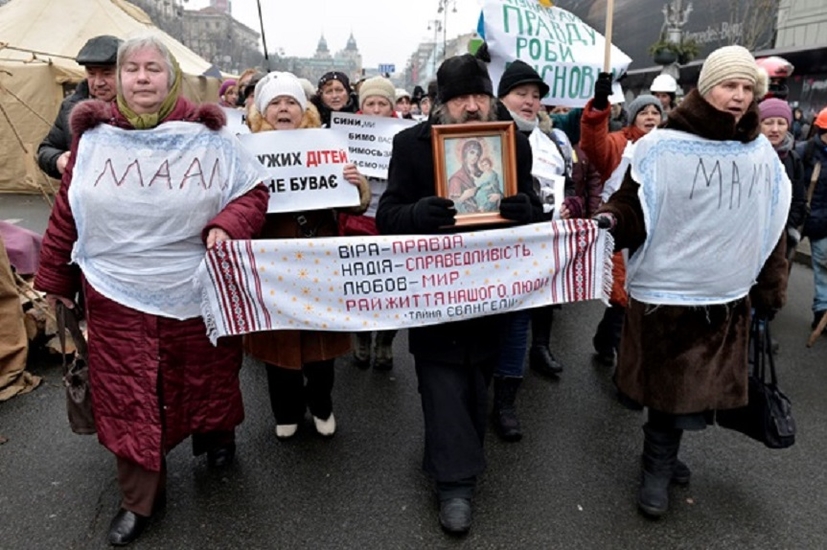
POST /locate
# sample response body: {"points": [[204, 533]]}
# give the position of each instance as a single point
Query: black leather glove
{"points": [[431, 213], [765, 313], [605, 220], [602, 91], [517, 208]]}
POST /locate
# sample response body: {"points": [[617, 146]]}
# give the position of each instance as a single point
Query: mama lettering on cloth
{"points": [[730, 198], [384, 282], [144, 252]]}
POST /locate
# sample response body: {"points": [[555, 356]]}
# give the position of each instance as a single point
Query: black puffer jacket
{"points": [[795, 171], [59, 139], [812, 152]]}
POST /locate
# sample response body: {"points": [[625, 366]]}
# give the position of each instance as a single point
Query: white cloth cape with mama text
{"points": [[714, 211], [141, 198]]}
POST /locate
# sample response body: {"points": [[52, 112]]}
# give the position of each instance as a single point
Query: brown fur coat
{"points": [[679, 359]]}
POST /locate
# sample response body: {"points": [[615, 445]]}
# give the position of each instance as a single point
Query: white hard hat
{"points": [[664, 83]]}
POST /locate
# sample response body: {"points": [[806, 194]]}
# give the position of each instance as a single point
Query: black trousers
{"points": [[454, 406], [607, 337], [290, 396]]}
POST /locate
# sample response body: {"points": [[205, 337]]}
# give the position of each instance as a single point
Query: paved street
{"points": [[569, 484]]}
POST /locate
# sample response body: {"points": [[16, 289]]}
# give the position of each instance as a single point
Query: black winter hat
{"points": [[518, 73], [462, 75], [248, 88], [99, 50]]}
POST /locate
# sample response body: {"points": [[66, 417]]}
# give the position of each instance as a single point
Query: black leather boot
{"points": [[606, 340], [504, 412], [383, 350], [541, 360], [361, 349], [660, 453], [681, 474], [125, 527], [221, 457]]}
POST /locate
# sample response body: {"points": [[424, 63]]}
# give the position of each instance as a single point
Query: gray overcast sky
{"points": [[386, 31]]}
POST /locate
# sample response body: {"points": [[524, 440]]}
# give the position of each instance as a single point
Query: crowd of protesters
{"points": [[676, 336]]}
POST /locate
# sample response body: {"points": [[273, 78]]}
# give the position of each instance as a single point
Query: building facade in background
{"points": [[216, 36], [424, 62], [211, 32], [347, 60], [801, 38]]}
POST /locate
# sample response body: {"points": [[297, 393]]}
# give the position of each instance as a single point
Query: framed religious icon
{"points": [[475, 167]]}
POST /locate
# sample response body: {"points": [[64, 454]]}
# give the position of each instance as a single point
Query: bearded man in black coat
{"points": [[454, 361]]}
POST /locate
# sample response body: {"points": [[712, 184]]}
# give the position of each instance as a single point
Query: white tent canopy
{"points": [[53, 31], [39, 40]]}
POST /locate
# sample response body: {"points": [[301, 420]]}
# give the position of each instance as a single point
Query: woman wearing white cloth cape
{"points": [[153, 181], [702, 211]]}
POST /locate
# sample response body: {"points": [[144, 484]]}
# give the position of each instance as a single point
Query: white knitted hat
{"points": [[277, 84], [731, 62], [378, 85], [401, 92]]}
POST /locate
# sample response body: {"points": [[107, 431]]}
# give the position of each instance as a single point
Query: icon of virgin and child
{"points": [[475, 184]]}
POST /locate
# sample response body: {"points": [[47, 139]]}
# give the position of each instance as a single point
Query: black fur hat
{"points": [[462, 75]]}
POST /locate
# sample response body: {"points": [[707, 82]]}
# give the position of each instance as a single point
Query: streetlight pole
{"points": [[437, 25], [443, 9]]}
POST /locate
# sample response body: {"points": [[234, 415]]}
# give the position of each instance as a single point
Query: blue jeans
{"points": [[514, 344], [819, 259]]}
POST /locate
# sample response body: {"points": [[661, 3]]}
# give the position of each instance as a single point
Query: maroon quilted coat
{"points": [[154, 380]]}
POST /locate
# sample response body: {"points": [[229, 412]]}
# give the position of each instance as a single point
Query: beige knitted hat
{"points": [[731, 62], [378, 85]]}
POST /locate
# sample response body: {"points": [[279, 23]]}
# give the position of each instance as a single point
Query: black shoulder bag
{"points": [[767, 417]]}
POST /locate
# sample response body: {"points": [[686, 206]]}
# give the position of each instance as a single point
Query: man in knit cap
{"points": [[702, 211], [454, 361]]}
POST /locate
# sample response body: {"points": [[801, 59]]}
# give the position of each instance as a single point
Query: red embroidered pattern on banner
{"points": [[229, 290], [582, 268]]}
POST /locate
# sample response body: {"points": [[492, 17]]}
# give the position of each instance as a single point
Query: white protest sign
{"points": [[369, 139], [549, 167], [305, 167], [236, 121], [565, 52]]}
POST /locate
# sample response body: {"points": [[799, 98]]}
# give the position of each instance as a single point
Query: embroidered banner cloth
{"points": [[384, 282]]}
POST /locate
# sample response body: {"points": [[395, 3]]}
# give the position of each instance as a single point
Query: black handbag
{"points": [[768, 416], [75, 374]]}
